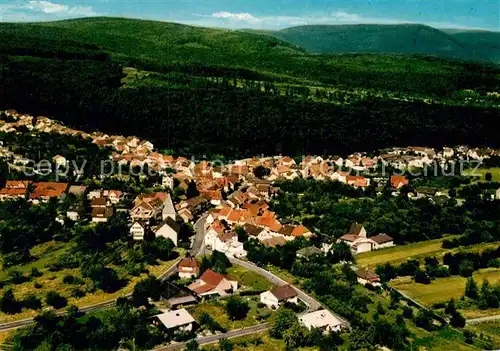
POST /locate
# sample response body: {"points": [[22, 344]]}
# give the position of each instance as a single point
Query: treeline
{"points": [[241, 122]]}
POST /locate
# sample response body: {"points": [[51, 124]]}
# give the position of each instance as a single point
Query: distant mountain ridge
{"points": [[399, 39]]}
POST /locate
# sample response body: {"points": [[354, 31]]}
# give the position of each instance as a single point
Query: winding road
{"points": [[215, 338]]}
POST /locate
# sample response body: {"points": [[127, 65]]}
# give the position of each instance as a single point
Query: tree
{"points": [[261, 172], [281, 321], [55, 300], [237, 308], [450, 307], [192, 190], [192, 345], [242, 235], [466, 268], [32, 302], [457, 320], [422, 277], [471, 289], [488, 177], [294, 337], [8, 303], [225, 345]]}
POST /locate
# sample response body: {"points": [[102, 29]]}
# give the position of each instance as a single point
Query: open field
{"points": [[216, 309], [248, 279], [495, 172], [443, 289], [47, 254], [491, 329], [444, 339], [399, 254]]}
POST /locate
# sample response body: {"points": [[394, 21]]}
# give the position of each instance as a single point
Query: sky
{"points": [[266, 14]]}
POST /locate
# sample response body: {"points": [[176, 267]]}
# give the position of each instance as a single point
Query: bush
{"points": [[77, 293], [35, 273], [17, 277], [37, 285], [70, 279], [32, 302], [55, 300], [237, 308], [457, 320]]}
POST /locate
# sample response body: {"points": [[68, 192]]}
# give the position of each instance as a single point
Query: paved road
{"points": [[311, 302], [215, 338], [483, 319], [199, 238]]}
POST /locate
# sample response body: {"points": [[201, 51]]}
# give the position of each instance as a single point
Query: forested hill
{"points": [[400, 38], [210, 91]]}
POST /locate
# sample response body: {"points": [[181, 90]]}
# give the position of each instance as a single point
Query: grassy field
{"points": [[443, 289], [489, 329], [249, 280], [444, 339], [481, 172], [216, 309], [47, 254], [399, 254]]}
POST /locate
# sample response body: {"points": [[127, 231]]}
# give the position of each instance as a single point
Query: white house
{"points": [[273, 298], [59, 161], [167, 181], [188, 267], [359, 242], [168, 229], [365, 276], [137, 230], [322, 319], [498, 194], [177, 320]]}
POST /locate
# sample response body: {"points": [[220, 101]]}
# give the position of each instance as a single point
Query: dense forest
{"points": [[235, 104]]}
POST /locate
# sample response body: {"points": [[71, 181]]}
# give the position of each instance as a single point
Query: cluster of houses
{"points": [[248, 209], [211, 284]]}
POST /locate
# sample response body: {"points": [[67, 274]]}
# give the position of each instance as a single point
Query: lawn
{"points": [[216, 309], [420, 250], [47, 254], [443, 289], [490, 329], [249, 280], [401, 253], [444, 339], [481, 172]]}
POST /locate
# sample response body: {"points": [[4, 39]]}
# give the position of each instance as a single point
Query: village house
{"points": [[14, 189], [44, 191], [307, 252], [212, 283], [188, 267], [322, 319], [73, 213], [366, 276], [169, 229], [398, 181], [138, 230], [359, 242], [279, 295], [101, 214], [175, 321], [59, 161]]}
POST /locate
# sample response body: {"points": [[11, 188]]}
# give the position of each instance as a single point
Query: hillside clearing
{"points": [[444, 289]]}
